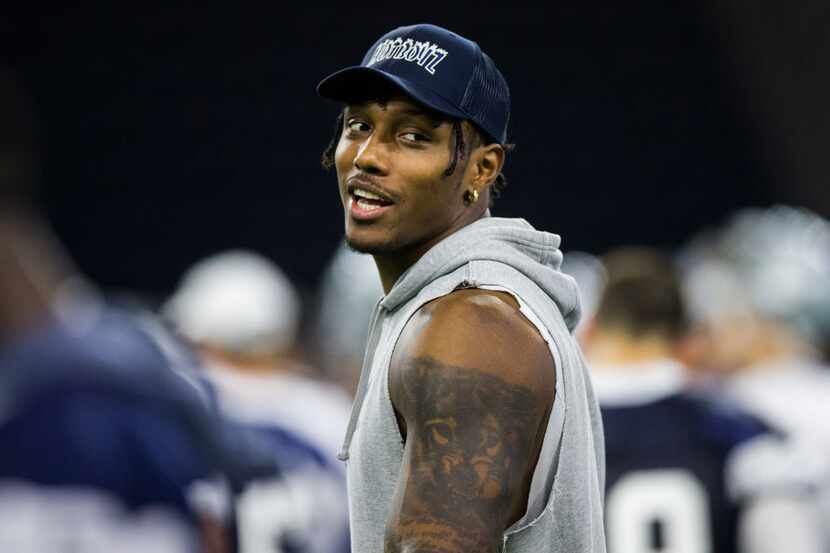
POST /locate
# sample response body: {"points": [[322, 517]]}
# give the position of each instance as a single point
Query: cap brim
{"points": [[358, 83]]}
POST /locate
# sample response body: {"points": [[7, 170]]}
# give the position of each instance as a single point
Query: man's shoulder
{"points": [[479, 329]]}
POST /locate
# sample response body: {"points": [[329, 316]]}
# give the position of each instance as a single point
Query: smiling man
{"points": [[475, 428]]}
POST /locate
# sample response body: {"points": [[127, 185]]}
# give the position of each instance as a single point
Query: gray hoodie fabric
{"points": [[565, 505]]}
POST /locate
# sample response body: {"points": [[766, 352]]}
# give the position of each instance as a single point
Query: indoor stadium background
{"points": [[177, 131]]}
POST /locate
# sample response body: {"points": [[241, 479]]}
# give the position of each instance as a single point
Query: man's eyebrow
{"points": [[434, 118]]}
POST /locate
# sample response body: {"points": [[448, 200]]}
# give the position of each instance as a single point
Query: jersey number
{"points": [[663, 511]]}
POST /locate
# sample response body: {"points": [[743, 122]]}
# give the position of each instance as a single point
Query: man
{"points": [[104, 448], [685, 473], [459, 439], [241, 314]]}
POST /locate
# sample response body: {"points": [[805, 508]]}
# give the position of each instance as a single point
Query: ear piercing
{"points": [[470, 196]]}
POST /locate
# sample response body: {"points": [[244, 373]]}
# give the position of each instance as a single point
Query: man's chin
{"points": [[371, 246]]}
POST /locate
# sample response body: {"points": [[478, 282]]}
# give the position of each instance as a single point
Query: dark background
{"points": [[175, 132]]}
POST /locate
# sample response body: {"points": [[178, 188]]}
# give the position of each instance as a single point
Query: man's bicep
{"points": [[472, 441]]}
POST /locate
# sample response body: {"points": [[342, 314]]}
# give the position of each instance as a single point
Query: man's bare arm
{"points": [[472, 383]]}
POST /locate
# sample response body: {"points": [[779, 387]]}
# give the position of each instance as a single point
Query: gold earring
{"points": [[471, 196]]}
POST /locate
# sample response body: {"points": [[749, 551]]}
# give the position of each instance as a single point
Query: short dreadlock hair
{"points": [[460, 151]]}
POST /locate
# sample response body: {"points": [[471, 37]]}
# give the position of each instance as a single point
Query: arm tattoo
{"points": [[472, 440]]}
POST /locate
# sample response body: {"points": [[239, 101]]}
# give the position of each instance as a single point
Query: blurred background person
{"points": [[241, 315], [760, 296], [104, 448], [348, 294], [677, 461]]}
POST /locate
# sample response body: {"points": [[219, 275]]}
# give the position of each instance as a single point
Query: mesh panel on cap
{"points": [[487, 98]]}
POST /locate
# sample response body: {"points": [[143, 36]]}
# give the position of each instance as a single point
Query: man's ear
{"points": [[486, 163]]}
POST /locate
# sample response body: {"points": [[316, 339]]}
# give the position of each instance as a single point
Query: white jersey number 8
{"points": [[663, 511]]}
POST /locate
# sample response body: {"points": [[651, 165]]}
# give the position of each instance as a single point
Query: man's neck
{"points": [[392, 265]]}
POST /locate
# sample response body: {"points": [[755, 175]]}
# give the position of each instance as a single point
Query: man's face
{"points": [[390, 163]]}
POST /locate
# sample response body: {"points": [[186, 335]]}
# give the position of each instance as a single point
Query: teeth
{"points": [[359, 192], [367, 206]]}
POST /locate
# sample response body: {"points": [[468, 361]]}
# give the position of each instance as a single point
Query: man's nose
{"points": [[371, 157]]}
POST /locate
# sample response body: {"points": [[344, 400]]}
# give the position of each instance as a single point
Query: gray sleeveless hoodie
{"points": [[564, 511]]}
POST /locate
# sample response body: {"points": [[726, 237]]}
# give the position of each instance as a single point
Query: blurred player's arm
{"points": [[774, 479], [211, 505], [780, 523], [472, 382]]}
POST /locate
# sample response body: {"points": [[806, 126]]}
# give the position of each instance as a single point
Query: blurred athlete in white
{"points": [[761, 300], [676, 461], [242, 313]]}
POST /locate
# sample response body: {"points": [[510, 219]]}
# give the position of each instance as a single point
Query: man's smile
{"points": [[367, 200]]}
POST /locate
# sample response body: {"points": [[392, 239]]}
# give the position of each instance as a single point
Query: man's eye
{"points": [[357, 126], [414, 137]]}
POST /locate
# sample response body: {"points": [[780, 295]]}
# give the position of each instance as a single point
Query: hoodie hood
{"points": [[513, 242]]}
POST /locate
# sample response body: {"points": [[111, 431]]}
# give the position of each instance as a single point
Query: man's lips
{"points": [[367, 200], [361, 183], [361, 210]]}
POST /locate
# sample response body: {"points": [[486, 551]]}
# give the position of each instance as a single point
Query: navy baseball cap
{"points": [[438, 68]]}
